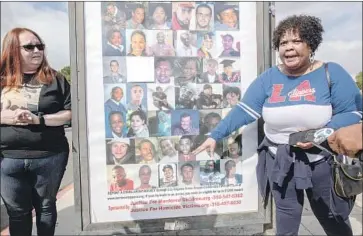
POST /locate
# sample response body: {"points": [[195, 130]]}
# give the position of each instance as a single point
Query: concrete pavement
{"points": [[68, 225]]}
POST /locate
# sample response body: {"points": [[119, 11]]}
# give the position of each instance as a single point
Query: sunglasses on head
{"points": [[31, 47]]}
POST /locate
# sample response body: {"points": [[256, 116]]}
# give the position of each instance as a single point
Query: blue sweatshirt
{"points": [[291, 104]]}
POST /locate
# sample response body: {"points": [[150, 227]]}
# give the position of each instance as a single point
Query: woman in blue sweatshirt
{"points": [[293, 96]]}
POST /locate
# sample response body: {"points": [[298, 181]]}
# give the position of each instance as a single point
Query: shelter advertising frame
{"points": [[97, 214]]}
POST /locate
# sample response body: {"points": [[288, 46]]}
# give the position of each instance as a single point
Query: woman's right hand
{"points": [[209, 144]]}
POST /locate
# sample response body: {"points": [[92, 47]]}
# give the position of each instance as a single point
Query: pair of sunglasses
{"points": [[31, 47]]}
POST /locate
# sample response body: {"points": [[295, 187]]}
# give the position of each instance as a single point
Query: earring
{"points": [[311, 57], [278, 60]]}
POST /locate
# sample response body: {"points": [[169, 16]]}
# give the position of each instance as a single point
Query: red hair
{"points": [[10, 66]]}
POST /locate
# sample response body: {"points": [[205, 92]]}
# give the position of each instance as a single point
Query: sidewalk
{"points": [[69, 224]]}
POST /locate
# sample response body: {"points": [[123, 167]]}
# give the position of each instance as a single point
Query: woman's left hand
{"points": [[305, 145]]}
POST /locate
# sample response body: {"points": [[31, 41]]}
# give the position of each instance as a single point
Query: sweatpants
{"points": [[331, 210]]}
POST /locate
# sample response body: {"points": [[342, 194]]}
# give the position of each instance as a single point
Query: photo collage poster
{"points": [[190, 54]]}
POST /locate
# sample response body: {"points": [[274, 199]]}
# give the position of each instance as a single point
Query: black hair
{"points": [[111, 31], [212, 115], [228, 35], [232, 89], [139, 113], [167, 167], [186, 165], [140, 32], [205, 5], [138, 5], [309, 29], [115, 88], [118, 167], [229, 165], [143, 167], [186, 137], [116, 113], [158, 61], [114, 61]]}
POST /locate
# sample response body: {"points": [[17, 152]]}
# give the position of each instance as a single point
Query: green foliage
{"points": [[66, 71], [359, 80]]}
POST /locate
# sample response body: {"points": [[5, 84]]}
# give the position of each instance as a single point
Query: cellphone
{"points": [[319, 138], [301, 137]]}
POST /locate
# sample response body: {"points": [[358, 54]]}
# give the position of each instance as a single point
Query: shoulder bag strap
{"points": [[327, 75]]}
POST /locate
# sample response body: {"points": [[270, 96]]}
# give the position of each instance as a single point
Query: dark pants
{"points": [[28, 183], [289, 203]]}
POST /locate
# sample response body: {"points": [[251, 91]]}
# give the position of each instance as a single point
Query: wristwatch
{"points": [[41, 119]]}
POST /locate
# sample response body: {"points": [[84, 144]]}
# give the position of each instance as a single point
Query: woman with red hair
{"points": [[35, 104]]}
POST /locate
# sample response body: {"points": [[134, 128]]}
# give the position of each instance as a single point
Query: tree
{"points": [[359, 80], [66, 71]]}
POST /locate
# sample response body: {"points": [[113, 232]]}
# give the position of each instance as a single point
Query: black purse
{"points": [[347, 173], [347, 176]]}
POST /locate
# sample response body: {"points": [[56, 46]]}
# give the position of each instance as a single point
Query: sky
{"points": [[342, 21]]}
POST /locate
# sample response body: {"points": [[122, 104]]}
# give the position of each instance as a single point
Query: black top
{"points": [[35, 141]]}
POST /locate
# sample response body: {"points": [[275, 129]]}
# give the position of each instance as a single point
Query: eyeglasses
{"points": [[31, 47]]}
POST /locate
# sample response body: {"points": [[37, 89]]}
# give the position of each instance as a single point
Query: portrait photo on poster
{"points": [[159, 15], [164, 70], [137, 43], [135, 177], [210, 173], [136, 15], [229, 70], [160, 97], [203, 19], [136, 96], [209, 119], [186, 96], [210, 96], [231, 94], [137, 123], [147, 150], [114, 43], [188, 174], [168, 149], [228, 43], [186, 70], [115, 93], [185, 147], [164, 123], [233, 148], [182, 15], [206, 44], [114, 70], [113, 16], [210, 71], [226, 16], [168, 175], [161, 43], [232, 169], [185, 43], [185, 122], [115, 124], [119, 178], [120, 151]]}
